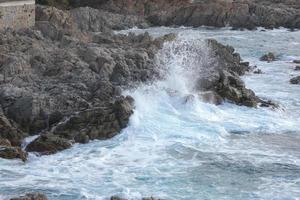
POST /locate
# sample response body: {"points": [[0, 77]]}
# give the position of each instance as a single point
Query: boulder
{"points": [[297, 68], [295, 81], [257, 71], [296, 61], [269, 57], [224, 80], [9, 152], [31, 196], [48, 143]]}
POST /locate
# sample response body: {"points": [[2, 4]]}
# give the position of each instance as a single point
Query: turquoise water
{"points": [[179, 149]]}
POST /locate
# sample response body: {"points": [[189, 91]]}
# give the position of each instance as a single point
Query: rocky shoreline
{"points": [[218, 13], [65, 82], [63, 79]]}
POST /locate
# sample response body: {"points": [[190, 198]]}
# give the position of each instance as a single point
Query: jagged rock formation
{"points": [[236, 13], [64, 78]]}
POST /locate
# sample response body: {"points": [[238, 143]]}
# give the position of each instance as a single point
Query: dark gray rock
{"points": [[295, 81], [270, 57], [296, 61], [238, 14], [226, 81], [48, 143], [297, 68], [31, 196], [10, 132], [257, 71]]}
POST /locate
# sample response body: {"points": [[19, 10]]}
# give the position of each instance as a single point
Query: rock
{"points": [[10, 132], [144, 198], [268, 103], [224, 80], [257, 71], [211, 97], [268, 57], [117, 198], [5, 142], [47, 144], [297, 68], [237, 14], [296, 61], [31, 196], [295, 81], [61, 69], [9, 152], [96, 123]]}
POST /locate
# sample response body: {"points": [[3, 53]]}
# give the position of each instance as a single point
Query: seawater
{"points": [[177, 147]]}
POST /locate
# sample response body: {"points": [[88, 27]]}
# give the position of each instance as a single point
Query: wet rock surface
{"points": [[295, 80], [31, 196], [225, 80], [269, 57], [10, 152], [47, 144]]}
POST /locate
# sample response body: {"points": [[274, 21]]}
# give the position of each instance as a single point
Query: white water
{"points": [[178, 149]]}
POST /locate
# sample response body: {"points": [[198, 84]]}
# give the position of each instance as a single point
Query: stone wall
{"points": [[17, 14]]}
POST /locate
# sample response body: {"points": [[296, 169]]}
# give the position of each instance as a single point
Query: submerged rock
{"points": [[268, 57], [296, 61], [295, 81], [31, 196], [257, 71], [9, 152], [144, 198]]}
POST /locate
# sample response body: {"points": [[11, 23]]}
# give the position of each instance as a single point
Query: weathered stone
{"points": [[31, 196]]}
